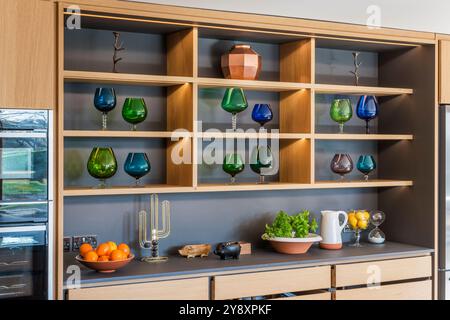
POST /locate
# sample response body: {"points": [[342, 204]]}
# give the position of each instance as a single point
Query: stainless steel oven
{"points": [[26, 204], [24, 262]]}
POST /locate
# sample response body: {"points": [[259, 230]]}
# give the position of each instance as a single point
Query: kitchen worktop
{"points": [[180, 267]]}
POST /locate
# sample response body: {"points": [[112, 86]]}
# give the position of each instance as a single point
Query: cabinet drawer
{"points": [[314, 296], [420, 290], [387, 270], [271, 282], [188, 289]]}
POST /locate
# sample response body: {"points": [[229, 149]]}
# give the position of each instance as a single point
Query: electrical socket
{"points": [[77, 241], [67, 244]]}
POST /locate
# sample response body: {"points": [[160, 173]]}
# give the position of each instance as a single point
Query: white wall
{"points": [[420, 15]]}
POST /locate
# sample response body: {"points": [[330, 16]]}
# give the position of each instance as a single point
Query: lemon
{"points": [[362, 224], [366, 215], [353, 222], [351, 214], [360, 215]]}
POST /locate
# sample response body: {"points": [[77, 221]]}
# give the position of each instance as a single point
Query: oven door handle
{"points": [[14, 286], [14, 263], [23, 229], [23, 134]]}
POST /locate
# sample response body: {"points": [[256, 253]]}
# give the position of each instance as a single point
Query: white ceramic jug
{"points": [[331, 229]]}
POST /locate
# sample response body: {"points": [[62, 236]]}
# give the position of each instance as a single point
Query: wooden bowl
{"points": [[294, 245], [104, 266]]}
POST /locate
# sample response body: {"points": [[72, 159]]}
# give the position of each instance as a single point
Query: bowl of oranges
{"points": [[358, 221], [107, 258]]}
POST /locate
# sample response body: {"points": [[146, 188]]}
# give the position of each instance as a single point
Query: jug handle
{"points": [[342, 226]]}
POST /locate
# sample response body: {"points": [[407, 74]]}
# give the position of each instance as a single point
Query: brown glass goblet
{"points": [[341, 164]]}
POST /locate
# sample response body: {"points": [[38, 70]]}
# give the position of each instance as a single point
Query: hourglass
{"points": [[376, 235]]}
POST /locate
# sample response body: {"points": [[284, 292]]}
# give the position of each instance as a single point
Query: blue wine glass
{"points": [[366, 164], [137, 166], [367, 109], [105, 101], [262, 113]]}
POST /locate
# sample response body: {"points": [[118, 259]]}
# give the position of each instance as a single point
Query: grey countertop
{"points": [[179, 267]]}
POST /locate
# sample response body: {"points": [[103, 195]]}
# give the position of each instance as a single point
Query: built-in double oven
{"points": [[26, 204]]}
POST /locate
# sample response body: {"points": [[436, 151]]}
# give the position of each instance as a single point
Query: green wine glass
{"points": [[341, 112], [134, 111], [234, 101], [233, 164], [261, 160], [366, 164], [102, 165]]}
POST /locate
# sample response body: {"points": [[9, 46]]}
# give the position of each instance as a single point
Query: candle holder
{"points": [[157, 233]]}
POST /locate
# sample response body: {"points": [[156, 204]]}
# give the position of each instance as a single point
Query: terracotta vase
{"points": [[241, 63]]}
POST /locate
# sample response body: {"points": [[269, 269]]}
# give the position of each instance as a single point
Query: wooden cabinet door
{"points": [[420, 290], [444, 71], [27, 54], [186, 289]]}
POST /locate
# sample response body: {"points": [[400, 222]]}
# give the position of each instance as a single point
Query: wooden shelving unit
{"points": [[403, 141]]}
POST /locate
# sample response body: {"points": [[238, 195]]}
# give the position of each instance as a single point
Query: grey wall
{"points": [[431, 15]]}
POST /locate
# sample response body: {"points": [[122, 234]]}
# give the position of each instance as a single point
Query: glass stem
{"points": [[261, 179], [341, 127], [137, 183], [134, 127], [366, 177], [102, 183], [234, 121], [367, 127], [104, 121], [357, 237], [342, 177], [233, 180]]}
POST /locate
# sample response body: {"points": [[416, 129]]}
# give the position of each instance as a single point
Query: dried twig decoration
{"points": [[357, 65], [117, 48]]}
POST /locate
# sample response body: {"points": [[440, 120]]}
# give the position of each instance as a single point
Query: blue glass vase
{"points": [[262, 113], [137, 166], [367, 109], [366, 164], [105, 101]]}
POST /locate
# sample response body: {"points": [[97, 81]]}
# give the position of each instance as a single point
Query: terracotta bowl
{"points": [[105, 266], [294, 245]]}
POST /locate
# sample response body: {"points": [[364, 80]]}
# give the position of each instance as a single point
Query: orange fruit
{"points": [[91, 256], [118, 255], [103, 258], [103, 250], [125, 248], [112, 246], [85, 248]]}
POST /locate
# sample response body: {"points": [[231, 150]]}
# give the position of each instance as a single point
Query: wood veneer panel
{"points": [[182, 53], [420, 290], [296, 61], [295, 111], [179, 171], [444, 71], [27, 51], [295, 161]]}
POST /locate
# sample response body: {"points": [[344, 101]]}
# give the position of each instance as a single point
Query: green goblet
{"points": [[134, 111], [234, 101], [233, 164], [341, 112], [102, 165], [261, 160]]}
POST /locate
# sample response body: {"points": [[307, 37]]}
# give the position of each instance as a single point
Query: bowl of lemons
{"points": [[358, 221]]}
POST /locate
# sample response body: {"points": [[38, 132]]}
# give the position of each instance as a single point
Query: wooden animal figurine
{"points": [[195, 250]]}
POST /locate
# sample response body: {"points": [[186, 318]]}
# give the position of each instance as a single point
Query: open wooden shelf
{"points": [[360, 90], [257, 85], [252, 135], [222, 187], [124, 78], [124, 190], [345, 136], [124, 134]]}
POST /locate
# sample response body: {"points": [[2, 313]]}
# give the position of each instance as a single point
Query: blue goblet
{"points": [[137, 166], [104, 101], [366, 164], [367, 109], [262, 113]]}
